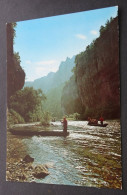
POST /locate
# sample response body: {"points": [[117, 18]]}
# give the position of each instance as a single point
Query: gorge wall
{"points": [[15, 74], [70, 100], [97, 75]]}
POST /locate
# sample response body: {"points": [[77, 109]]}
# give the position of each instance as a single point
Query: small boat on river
{"points": [[98, 125]]}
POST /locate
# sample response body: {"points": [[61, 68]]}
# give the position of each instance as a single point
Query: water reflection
{"points": [[89, 156]]}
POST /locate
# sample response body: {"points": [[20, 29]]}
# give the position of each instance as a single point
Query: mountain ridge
{"points": [[54, 79]]}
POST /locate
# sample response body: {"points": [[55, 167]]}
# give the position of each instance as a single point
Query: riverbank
{"points": [[19, 164]]}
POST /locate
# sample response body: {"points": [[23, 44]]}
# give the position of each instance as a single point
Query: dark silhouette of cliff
{"points": [[97, 73], [15, 74]]}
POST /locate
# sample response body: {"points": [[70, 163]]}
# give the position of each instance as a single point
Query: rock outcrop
{"points": [[15, 74], [70, 100], [96, 87], [97, 74]]}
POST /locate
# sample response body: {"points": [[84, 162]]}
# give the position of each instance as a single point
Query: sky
{"points": [[43, 43]]}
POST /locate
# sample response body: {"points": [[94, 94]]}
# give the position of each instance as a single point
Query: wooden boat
{"points": [[98, 125], [38, 133]]}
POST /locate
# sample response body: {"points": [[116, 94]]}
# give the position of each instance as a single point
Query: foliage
{"points": [[70, 99], [14, 118], [46, 117], [53, 84], [53, 102], [102, 28], [17, 57], [28, 103], [74, 116], [13, 26], [107, 24], [73, 70]]}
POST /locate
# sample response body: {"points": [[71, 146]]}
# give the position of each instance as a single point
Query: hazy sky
{"points": [[43, 43]]}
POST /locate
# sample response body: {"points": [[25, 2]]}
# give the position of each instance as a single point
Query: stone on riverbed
{"points": [[40, 171], [28, 159], [24, 170]]}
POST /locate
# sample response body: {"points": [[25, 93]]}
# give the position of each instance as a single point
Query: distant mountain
{"points": [[53, 80]]}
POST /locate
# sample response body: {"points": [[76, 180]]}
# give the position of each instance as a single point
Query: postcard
{"points": [[63, 100]]}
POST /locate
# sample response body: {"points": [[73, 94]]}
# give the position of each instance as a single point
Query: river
{"points": [[89, 156]]}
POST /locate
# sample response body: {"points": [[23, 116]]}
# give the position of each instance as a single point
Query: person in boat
{"points": [[89, 120], [64, 125], [101, 120], [92, 121]]}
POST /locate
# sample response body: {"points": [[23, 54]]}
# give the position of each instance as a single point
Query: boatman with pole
{"points": [[64, 125], [101, 120]]}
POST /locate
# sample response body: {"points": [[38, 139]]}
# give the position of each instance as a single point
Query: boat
{"points": [[98, 125], [30, 132]]}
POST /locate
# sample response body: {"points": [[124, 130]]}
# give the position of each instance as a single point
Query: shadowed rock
{"points": [[40, 171], [28, 159]]}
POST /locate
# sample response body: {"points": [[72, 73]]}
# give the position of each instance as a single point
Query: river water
{"points": [[89, 156]]}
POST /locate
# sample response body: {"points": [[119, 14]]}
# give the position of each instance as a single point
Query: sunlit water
{"points": [[89, 156]]}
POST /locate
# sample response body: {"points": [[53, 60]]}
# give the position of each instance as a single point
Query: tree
{"points": [[28, 103], [17, 57], [102, 28], [13, 25], [76, 116], [46, 117]]}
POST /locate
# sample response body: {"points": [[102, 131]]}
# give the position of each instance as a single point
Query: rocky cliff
{"points": [[95, 84], [97, 73], [15, 74], [70, 100]]}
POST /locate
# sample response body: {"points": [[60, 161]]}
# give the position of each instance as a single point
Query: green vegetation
{"points": [[74, 116], [53, 102], [70, 100], [13, 26], [17, 57], [28, 103], [46, 117], [14, 118], [52, 85], [107, 25]]}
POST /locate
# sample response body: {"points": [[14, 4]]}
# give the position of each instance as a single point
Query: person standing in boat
{"points": [[101, 120], [64, 125]]}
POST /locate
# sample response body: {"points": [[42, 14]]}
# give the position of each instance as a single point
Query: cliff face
{"points": [[97, 74], [15, 74], [70, 100]]}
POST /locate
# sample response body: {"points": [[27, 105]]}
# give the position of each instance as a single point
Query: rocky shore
{"points": [[20, 165]]}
